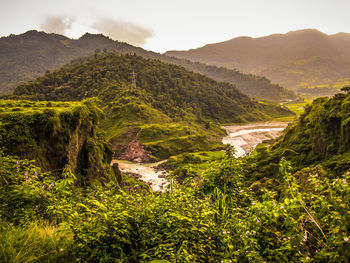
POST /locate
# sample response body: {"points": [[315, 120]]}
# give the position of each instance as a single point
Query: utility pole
{"points": [[133, 81]]}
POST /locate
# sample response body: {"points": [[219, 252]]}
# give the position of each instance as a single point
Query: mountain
{"points": [[169, 109], [295, 60], [26, 56]]}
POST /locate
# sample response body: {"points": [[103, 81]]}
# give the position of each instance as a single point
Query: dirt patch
{"points": [[136, 152]]}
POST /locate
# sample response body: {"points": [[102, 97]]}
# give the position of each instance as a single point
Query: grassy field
{"points": [[297, 108]]}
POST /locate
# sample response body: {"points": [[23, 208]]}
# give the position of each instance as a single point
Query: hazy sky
{"points": [[162, 25]]}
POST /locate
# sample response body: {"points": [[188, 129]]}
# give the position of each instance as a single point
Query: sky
{"points": [[162, 25]]}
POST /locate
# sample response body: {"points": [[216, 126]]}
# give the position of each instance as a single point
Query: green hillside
{"points": [[164, 94], [59, 136], [296, 60], [26, 56], [215, 215], [321, 136]]}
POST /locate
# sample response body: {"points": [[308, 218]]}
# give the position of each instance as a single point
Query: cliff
{"points": [[57, 135]]}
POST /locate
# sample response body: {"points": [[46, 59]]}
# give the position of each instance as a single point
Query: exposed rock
{"points": [[163, 175], [121, 142], [136, 152]]}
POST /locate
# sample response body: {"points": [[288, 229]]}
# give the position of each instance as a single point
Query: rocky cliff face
{"points": [[57, 136]]}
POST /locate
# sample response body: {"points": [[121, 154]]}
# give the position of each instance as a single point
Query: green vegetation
{"points": [[168, 88], [218, 218], [60, 201], [324, 90], [346, 89], [298, 107], [193, 105], [58, 135], [321, 136], [296, 60], [188, 165], [31, 53]]}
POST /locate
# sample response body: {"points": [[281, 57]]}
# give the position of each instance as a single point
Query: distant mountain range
{"points": [[24, 57], [296, 60]]}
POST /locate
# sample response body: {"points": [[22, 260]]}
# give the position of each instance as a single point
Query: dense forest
{"points": [[29, 55], [298, 214]]}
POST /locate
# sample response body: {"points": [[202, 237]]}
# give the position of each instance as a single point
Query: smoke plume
{"points": [[56, 24], [123, 31]]}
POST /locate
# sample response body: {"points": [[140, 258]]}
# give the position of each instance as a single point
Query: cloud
{"points": [[123, 31], [57, 24]]}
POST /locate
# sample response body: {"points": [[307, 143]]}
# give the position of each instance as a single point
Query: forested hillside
{"points": [[298, 59], [321, 136], [163, 94], [168, 88], [29, 55]]}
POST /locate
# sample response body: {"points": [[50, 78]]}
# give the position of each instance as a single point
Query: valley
{"points": [[113, 153]]}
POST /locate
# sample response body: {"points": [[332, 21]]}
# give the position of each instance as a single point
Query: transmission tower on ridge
{"points": [[133, 81]]}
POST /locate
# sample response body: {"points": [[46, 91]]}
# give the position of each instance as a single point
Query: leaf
{"points": [[287, 201]]}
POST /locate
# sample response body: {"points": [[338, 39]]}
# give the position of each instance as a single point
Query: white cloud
{"points": [[123, 31]]}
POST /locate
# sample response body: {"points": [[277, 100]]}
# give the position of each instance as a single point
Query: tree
{"points": [[346, 89]]}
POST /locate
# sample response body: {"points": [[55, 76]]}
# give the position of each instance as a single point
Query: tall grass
{"points": [[34, 243]]}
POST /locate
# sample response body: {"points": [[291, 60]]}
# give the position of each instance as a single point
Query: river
{"points": [[246, 137], [145, 172], [242, 137]]}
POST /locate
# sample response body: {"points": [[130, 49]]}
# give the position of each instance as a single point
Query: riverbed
{"points": [[146, 172], [246, 137], [243, 137]]}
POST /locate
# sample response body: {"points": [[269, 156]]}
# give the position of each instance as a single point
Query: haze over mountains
{"points": [[26, 56], [295, 60]]}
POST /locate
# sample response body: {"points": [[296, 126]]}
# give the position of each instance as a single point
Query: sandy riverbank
{"points": [[246, 137]]}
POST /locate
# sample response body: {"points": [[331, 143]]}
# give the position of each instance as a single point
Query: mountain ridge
{"points": [[24, 57], [297, 59]]}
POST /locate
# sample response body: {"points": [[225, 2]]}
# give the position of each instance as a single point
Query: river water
{"points": [[246, 137], [243, 137], [145, 172]]}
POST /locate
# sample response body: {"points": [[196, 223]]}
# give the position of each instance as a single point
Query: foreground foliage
{"points": [[217, 217]]}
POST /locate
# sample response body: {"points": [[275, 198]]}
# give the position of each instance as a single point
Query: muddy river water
{"points": [[246, 137], [243, 137]]}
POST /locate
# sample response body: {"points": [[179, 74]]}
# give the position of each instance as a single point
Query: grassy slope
{"points": [[164, 94]]}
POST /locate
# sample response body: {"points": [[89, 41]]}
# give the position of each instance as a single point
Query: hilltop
{"points": [[164, 94], [296, 60], [24, 57]]}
